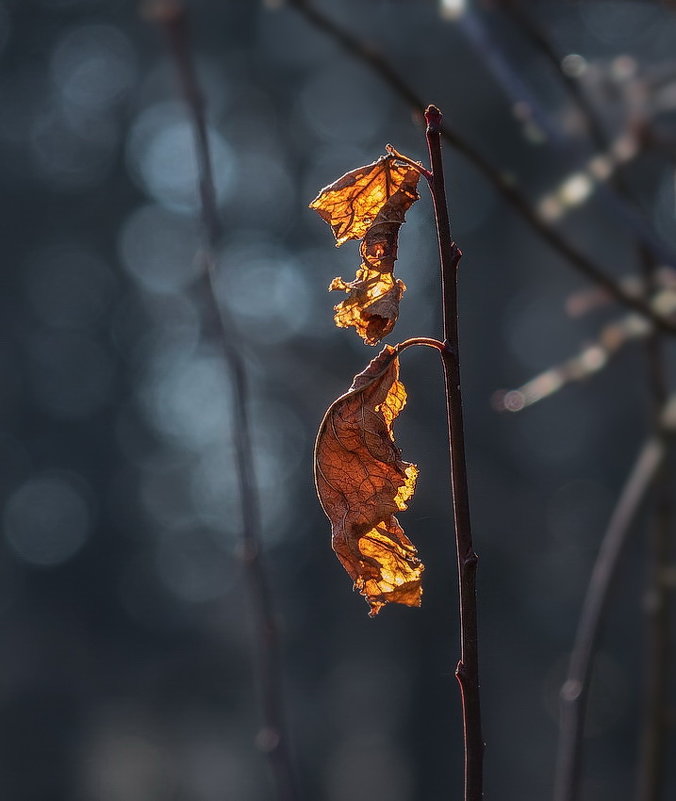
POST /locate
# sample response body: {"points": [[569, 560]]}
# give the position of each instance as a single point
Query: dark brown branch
{"points": [[467, 670], [582, 263], [575, 691], [272, 739]]}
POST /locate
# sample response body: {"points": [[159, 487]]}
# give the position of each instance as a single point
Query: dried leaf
{"points": [[370, 203], [351, 204], [362, 482], [372, 304]]}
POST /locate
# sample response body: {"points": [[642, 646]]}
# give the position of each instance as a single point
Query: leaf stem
{"points": [[416, 165], [429, 342], [272, 738], [467, 670]]}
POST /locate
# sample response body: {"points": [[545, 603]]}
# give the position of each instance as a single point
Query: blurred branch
{"points": [[588, 299], [380, 66], [272, 739], [589, 361], [527, 24], [653, 740], [575, 690], [586, 177]]}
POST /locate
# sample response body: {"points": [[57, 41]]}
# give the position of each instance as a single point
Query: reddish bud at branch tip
{"points": [[433, 119]]}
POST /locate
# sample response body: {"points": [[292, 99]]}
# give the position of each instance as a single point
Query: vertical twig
{"points": [[652, 745], [467, 670], [272, 738], [575, 690]]}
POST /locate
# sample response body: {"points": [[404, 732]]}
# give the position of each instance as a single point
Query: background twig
{"points": [[590, 360], [575, 691], [652, 754], [272, 739]]}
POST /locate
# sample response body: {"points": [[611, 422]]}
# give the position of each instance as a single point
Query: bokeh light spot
{"points": [[161, 156], [265, 290], [93, 66], [47, 520], [158, 249], [189, 401]]}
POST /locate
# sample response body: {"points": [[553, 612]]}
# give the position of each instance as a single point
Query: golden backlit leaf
{"points": [[362, 482], [351, 204], [372, 303]]}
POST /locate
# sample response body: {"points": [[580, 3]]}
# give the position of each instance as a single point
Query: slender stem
{"points": [[406, 160], [653, 737], [272, 739], [500, 182], [428, 342], [467, 670], [575, 690]]}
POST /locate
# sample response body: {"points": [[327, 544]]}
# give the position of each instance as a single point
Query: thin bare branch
{"points": [[653, 738], [576, 93], [589, 361], [467, 670], [587, 299], [272, 738], [586, 177], [575, 690]]}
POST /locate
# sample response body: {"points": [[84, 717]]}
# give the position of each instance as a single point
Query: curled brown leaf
{"points": [[370, 203], [362, 481]]}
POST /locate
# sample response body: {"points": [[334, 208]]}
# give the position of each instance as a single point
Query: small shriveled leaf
{"points": [[362, 481], [372, 304], [351, 204]]}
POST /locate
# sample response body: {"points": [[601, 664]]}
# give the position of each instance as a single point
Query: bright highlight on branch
{"points": [[578, 187]]}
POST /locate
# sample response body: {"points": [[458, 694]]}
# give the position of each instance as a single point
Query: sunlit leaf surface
{"points": [[350, 204], [362, 482], [370, 203]]}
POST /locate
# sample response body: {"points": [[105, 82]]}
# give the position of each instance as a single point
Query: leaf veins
{"points": [[361, 482], [370, 203]]}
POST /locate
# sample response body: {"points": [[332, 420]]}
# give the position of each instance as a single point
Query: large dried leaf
{"points": [[351, 204], [362, 482]]}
